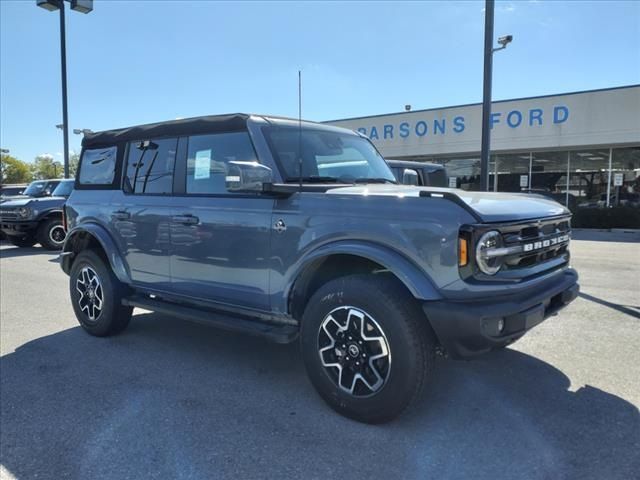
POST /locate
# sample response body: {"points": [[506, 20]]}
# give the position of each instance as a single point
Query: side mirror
{"points": [[410, 177], [247, 177]]}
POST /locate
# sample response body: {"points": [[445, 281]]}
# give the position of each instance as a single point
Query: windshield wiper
{"points": [[374, 180], [316, 179]]}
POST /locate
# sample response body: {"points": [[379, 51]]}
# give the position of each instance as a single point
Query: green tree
{"points": [[74, 159], [13, 170], [44, 167]]}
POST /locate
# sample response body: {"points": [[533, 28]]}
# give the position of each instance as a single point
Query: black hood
{"points": [[38, 203]]}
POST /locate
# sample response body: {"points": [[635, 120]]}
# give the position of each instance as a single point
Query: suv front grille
{"points": [[536, 242], [8, 214]]}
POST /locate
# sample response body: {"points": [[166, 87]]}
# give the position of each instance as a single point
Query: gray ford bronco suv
{"points": [[36, 216], [290, 230]]}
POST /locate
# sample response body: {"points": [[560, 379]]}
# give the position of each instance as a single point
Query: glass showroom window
{"points": [[512, 170], [465, 170], [588, 180], [626, 162], [547, 170]]}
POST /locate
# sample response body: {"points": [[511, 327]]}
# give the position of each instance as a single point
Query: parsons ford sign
{"points": [[456, 125], [596, 118]]}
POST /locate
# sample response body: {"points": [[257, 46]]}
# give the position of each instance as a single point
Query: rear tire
{"points": [[388, 348], [22, 242], [51, 234], [96, 296]]}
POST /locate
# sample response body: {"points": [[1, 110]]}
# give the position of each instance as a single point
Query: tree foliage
{"points": [[74, 159], [13, 170], [45, 167]]}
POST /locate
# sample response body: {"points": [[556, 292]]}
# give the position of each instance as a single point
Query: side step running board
{"points": [[275, 333]]}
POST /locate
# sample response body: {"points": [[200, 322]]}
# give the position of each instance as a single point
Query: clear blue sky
{"points": [[133, 62]]}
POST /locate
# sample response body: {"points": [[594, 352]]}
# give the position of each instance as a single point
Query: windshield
{"points": [[34, 189], [327, 156], [64, 189]]}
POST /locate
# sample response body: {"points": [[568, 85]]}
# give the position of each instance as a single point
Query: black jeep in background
{"points": [[29, 219], [419, 173]]}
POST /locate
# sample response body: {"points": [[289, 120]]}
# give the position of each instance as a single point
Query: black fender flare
{"points": [[47, 213], [105, 240], [414, 279]]}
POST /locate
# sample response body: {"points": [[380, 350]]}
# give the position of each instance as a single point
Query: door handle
{"points": [[186, 219], [121, 215]]}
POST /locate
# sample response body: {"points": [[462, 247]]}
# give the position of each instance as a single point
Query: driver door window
{"points": [[208, 160]]}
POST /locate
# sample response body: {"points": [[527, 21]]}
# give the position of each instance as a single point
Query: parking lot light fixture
{"points": [[82, 131], [83, 6]]}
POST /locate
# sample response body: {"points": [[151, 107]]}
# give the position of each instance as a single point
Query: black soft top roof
{"points": [[186, 126]]}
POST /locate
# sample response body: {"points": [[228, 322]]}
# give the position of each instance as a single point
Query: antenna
{"points": [[300, 128]]}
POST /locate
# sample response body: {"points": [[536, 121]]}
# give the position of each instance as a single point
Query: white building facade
{"points": [[585, 145]]}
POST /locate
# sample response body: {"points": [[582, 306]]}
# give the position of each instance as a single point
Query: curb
{"points": [[607, 230], [625, 230]]}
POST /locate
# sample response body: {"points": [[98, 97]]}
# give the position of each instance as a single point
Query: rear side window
{"points": [[98, 166], [438, 178], [208, 160], [150, 166]]}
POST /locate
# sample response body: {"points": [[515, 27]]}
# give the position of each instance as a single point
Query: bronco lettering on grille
{"points": [[529, 247]]}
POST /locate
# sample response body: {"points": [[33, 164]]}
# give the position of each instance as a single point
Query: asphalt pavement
{"points": [[169, 399]]}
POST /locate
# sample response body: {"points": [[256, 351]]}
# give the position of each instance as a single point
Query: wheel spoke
{"points": [[84, 303], [98, 297], [347, 380], [80, 287]]}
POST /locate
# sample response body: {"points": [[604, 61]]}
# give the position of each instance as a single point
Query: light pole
{"points": [[83, 6], [485, 150]]}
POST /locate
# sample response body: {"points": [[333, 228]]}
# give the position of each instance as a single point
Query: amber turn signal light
{"points": [[463, 252]]}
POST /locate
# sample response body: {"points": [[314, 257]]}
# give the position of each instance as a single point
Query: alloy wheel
{"points": [[57, 234], [91, 297], [354, 351]]}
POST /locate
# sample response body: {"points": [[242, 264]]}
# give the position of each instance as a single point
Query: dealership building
{"points": [[584, 145]]}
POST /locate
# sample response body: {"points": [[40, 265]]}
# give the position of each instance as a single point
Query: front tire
{"points": [[51, 234], [96, 296], [22, 242], [367, 346]]}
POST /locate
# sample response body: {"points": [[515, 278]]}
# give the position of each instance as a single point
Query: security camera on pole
{"points": [[82, 6], [485, 150]]}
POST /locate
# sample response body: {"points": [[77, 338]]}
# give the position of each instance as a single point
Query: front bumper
{"points": [[18, 228], [468, 328]]}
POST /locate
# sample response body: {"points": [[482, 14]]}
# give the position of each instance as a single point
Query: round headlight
{"points": [[486, 262], [24, 212]]}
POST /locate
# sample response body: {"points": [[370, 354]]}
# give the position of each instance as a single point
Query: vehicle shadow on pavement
{"points": [[12, 251], [169, 399], [631, 310]]}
